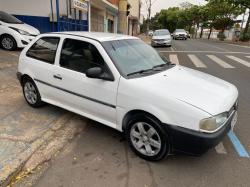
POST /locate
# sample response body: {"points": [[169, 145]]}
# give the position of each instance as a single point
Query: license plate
{"points": [[234, 120]]}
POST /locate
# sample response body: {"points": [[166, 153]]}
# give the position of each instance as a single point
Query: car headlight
{"points": [[213, 123], [20, 31]]}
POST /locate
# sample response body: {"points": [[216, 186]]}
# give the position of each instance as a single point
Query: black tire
{"points": [[7, 42], [161, 134], [36, 102]]}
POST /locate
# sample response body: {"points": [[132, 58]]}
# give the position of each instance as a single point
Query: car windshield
{"points": [[7, 18], [161, 32], [133, 56], [180, 30]]}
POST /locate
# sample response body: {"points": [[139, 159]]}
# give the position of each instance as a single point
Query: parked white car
{"points": [[161, 37], [150, 33], [123, 83], [14, 33], [180, 34]]}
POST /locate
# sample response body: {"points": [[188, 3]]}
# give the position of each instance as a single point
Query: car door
{"points": [[93, 98], [39, 60]]}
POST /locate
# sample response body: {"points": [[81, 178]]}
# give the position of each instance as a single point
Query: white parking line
{"points": [[243, 62], [220, 149], [215, 52], [197, 61], [239, 45], [248, 56], [222, 63], [174, 59]]}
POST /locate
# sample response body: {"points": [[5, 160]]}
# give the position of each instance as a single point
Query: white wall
{"points": [[135, 5], [31, 7]]}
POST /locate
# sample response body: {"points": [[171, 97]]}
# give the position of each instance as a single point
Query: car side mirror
{"points": [[94, 72], [98, 73]]}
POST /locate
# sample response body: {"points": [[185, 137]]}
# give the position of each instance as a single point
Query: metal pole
{"points": [[52, 14], [243, 19], [89, 16], [58, 15]]}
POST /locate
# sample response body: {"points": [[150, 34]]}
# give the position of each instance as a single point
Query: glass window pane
{"points": [[80, 56], [44, 49]]}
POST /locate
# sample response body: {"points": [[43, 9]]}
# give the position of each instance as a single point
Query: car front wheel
{"points": [[147, 138], [31, 93], [8, 42]]}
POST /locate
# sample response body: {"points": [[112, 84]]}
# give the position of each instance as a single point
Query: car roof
{"points": [[99, 36]]}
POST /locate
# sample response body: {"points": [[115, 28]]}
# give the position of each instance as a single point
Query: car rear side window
{"points": [[44, 49], [80, 56]]}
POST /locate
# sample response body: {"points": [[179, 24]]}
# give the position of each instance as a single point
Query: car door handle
{"points": [[57, 77]]}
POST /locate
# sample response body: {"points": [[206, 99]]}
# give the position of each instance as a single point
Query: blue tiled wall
{"points": [[41, 23], [44, 25]]}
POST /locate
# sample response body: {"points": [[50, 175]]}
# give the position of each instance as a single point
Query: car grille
{"points": [[159, 40]]}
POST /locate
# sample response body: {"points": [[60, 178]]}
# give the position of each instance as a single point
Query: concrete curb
{"points": [[10, 171]]}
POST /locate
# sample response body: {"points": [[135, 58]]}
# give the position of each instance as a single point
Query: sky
{"points": [[164, 4]]}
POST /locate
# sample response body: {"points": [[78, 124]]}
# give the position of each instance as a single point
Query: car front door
{"points": [[93, 98]]}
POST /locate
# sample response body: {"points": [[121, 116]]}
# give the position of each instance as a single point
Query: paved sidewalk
{"points": [[23, 130], [146, 39]]}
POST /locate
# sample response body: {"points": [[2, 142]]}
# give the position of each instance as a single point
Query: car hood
{"points": [[161, 37], [198, 89], [25, 27]]}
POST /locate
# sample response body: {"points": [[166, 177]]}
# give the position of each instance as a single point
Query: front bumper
{"points": [[24, 40], [161, 43], [195, 142], [180, 37]]}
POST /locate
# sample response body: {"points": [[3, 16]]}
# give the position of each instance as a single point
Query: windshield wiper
{"points": [[139, 72], [160, 65]]}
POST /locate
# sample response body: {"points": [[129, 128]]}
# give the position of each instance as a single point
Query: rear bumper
{"points": [[195, 142], [19, 75]]}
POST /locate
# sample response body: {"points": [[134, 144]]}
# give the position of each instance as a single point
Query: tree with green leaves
{"points": [[222, 14], [244, 4]]}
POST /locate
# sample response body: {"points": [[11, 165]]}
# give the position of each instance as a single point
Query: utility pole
{"points": [[149, 6], [122, 23]]}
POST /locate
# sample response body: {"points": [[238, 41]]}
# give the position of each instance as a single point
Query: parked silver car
{"points": [[161, 38]]}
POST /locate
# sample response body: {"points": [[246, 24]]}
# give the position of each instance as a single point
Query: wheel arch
{"points": [[6, 34], [23, 77], [14, 38], [132, 113]]}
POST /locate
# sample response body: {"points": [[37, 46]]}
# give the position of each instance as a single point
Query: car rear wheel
{"points": [[31, 93], [147, 138], [8, 42]]}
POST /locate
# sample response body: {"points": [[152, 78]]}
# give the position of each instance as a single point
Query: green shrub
{"points": [[245, 37], [221, 36]]}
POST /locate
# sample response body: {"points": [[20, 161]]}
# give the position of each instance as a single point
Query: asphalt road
{"points": [[100, 156]]}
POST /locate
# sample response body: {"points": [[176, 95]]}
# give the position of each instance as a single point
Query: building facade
{"points": [[99, 15], [134, 17]]}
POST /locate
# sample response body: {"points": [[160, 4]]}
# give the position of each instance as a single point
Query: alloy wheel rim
{"points": [[7, 43], [145, 139], [30, 93]]}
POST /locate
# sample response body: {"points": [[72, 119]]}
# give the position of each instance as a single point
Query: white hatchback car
{"points": [[14, 33], [123, 83]]}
